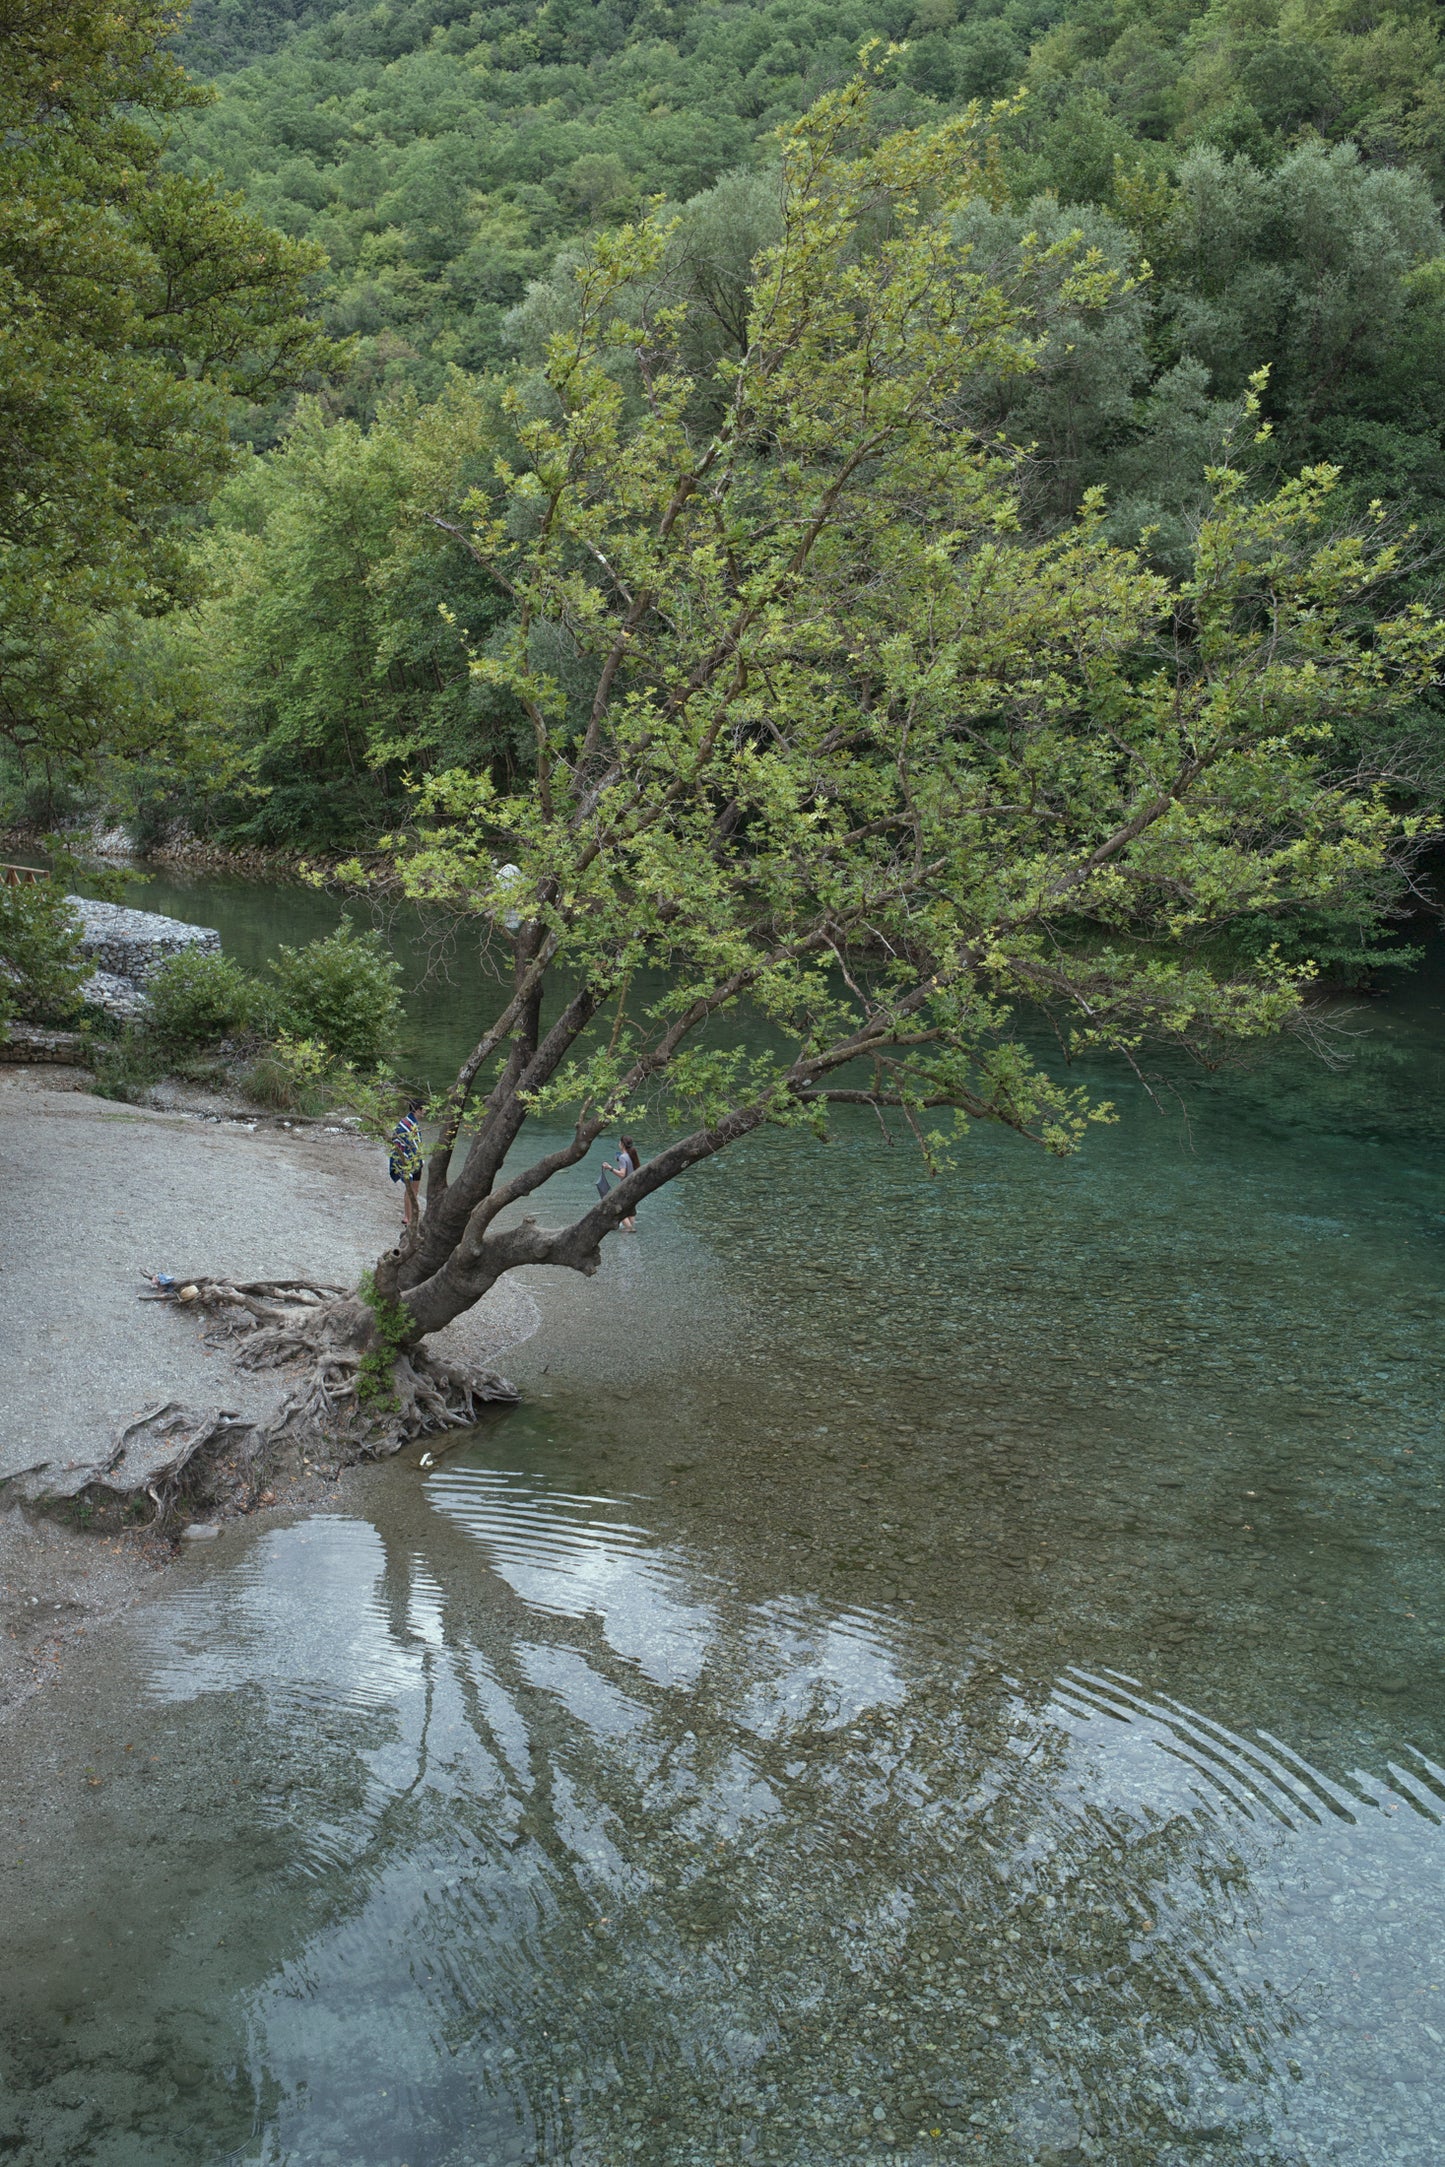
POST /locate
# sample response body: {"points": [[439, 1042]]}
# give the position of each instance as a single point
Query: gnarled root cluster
{"points": [[165, 1452], [350, 1396]]}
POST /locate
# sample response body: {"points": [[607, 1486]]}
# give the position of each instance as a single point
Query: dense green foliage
{"points": [[820, 734], [134, 301], [198, 997], [442, 154], [41, 968], [221, 34], [1245, 79], [340, 992], [1261, 185], [296, 1037], [324, 638]]}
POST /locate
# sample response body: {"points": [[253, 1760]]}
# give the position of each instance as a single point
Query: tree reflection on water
{"points": [[605, 1864]]}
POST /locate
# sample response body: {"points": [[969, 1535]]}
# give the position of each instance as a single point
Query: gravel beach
{"points": [[98, 1195]]}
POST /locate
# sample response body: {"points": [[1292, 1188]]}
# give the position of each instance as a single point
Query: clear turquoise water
{"points": [[931, 1672]]}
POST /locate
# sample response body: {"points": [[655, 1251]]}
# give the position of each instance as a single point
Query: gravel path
{"points": [[98, 1194]]}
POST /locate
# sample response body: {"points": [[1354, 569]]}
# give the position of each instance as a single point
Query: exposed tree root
{"points": [[346, 1399], [330, 1408], [164, 1452]]}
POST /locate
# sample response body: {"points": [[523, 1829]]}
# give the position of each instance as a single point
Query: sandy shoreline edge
{"points": [[100, 1194]]}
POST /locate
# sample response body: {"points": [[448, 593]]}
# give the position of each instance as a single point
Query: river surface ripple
{"points": [[932, 1671]]}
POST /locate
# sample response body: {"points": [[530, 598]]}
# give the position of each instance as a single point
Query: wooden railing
{"points": [[11, 876]]}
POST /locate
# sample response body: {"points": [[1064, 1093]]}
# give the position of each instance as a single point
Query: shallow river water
{"points": [[931, 1672]]}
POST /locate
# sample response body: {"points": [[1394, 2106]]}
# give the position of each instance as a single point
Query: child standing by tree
{"points": [[406, 1160]]}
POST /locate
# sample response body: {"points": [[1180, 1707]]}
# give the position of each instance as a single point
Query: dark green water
{"points": [[931, 1672]]}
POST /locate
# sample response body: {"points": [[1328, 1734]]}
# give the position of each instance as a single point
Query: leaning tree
{"points": [[817, 738]]}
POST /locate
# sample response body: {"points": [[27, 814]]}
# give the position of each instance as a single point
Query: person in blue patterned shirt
{"points": [[406, 1161]]}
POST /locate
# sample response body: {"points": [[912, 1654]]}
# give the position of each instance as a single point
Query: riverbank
{"points": [[180, 850], [912, 1638], [101, 1194]]}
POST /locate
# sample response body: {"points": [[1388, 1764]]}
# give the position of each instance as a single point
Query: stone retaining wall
{"points": [[37, 1042], [120, 997], [130, 944]]}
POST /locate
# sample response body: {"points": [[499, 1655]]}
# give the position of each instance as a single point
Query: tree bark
{"points": [[470, 1270]]}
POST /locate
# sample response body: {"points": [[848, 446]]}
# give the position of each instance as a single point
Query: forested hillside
{"points": [[1256, 188], [440, 154], [138, 308]]}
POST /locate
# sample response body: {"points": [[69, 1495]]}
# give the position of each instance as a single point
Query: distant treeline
{"points": [[441, 153]]}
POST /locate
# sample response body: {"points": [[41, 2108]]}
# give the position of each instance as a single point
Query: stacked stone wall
{"points": [[131, 944], [124, 948]]}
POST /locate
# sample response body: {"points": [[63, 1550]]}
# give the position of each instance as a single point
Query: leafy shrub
{"points": [[40, 962], [289, 1077], [198, 997], [343, 991], [124, 1068]]}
